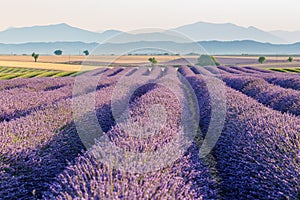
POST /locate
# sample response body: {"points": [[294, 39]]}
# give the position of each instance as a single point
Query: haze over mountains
{"points": [[219, 38], [200, 31], [206, 47]]}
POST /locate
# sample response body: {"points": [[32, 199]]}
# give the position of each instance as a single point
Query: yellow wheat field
{"points": [[62, 62], [47, 66], [67, 59]]}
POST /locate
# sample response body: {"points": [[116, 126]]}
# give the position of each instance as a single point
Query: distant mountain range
{"points": [[52, 33], [200, 31], [289, 36], [194, 38], [148, 47]]}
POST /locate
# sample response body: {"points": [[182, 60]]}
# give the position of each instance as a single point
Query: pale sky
{"points": [[129, 15]]}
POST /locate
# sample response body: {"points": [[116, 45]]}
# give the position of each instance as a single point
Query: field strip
{"points": [[47, 66], [274, 65]]}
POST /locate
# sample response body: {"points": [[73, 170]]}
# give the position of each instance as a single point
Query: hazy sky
{"points": [[127, 15]]}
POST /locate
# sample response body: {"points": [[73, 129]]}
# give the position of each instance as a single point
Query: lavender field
{"points": [[139, 133]]}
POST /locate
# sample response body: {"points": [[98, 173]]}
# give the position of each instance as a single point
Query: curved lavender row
{"points": [[202, 70], [140, 118], [214, 70], [31, 94], [32, 130], [35, 84], [34, 149], [186, 178], [89, 179], [63, 106], [92, 105], [43, 154], [39, 84], [108, 77], [104, 98], [259, 70], [186, 71], [169, 71], [127, 89], [230, 70], [204, 106], [96, 72], [38, 92], [139, 121], [284, 100], [92, 108], [38, 148], [104, 72], [255, 161], [114, 71], [283, 80], [156, 72], [142, 71], [19, 102], [243, 69], [95, 80]]}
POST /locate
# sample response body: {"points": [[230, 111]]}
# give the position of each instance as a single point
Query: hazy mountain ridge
{"points": [[207, 47], [289, 36], [52, 33], [200, 31], [214, 39]]}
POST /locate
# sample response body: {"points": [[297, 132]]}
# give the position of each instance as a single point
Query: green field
{"points": [[13, 73], [286, 70]]}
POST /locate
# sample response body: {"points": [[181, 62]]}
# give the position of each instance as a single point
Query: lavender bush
{"points": [[284, 100], [185, 177], [148, 152], [258, 152]]}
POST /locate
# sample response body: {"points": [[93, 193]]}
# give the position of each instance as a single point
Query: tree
{"points": [[206, 60], [58, 52], [86, 52], [261, 59], [35, 56], [290, 59], [153, 61]]}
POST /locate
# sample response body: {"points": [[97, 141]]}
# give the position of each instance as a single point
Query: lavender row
{"points": [[284, 100], [24, 95], [258, 151], [284, 80], [214, 70], [202, 71], [153, 116], [37, 147], [34, 94], [17, 102], [110, 110], [259, 70], [46, 109], [183, 178], [91, 179], [186, 71], [36, 84], [245, 70], [230, 70]]}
